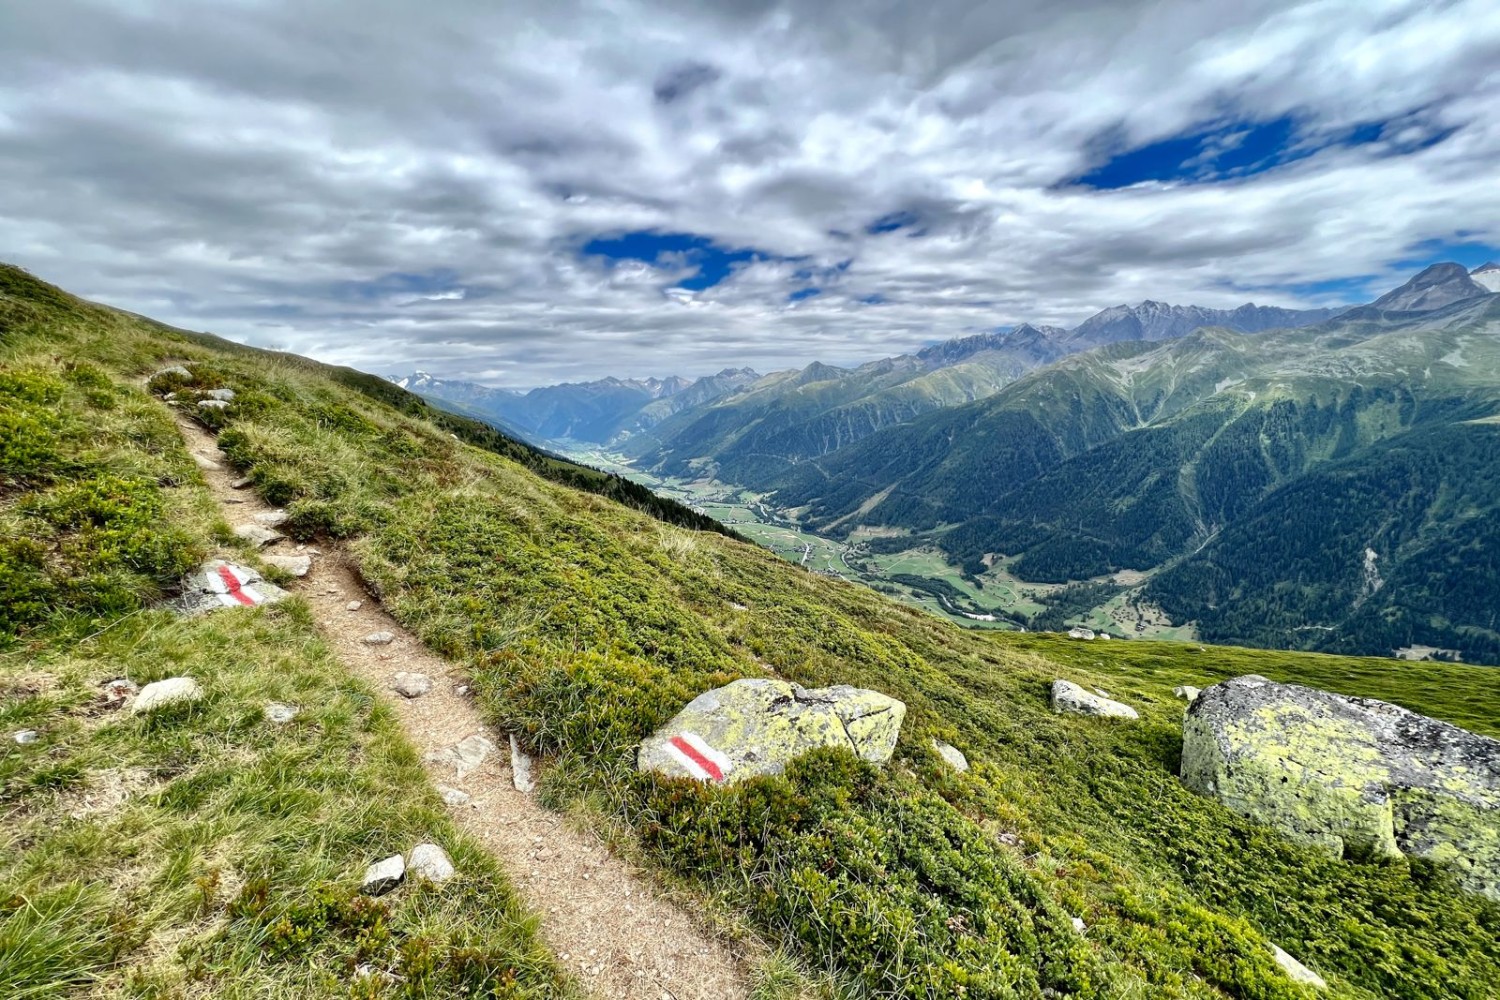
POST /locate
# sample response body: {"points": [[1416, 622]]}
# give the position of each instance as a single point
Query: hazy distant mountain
{"points": [[593, 412], [1160, 321]]}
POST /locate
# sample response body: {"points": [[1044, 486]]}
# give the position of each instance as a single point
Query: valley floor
{"points": [[921, 577]]}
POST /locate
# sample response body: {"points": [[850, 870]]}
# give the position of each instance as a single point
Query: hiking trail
{"points": [[614, 933]]}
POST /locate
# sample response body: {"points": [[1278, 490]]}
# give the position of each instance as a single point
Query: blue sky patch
{"points": [[712, 263], [892, 221], [804, 293], [1228, 150]]}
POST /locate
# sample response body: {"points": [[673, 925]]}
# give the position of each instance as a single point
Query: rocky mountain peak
{"points": [[1438, 286]]}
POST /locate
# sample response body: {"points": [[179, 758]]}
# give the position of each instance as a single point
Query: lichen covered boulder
{"points": [[1349, 774], [757, 726]]}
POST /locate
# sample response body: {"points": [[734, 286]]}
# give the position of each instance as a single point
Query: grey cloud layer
{"points": [[261, 168]]}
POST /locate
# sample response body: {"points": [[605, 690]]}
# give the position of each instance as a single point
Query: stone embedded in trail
{"points": [[430, 863], [258, 535], [295, 565], [466, 756], [952, 754], [520, 768], [757, 726], [410, 685], [172, 691], [379, 638], [453, 796], [240, 483], [272, 518], [354, 605], [1187, 692], [212, 404], [1071, 699], [279, 713], [1298, 972], [205, 463], [219, 584], [1349, 773], [383, 876]]}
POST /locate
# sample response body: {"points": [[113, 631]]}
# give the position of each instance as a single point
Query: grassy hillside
{"points": [[200, 849], [588, 624]]}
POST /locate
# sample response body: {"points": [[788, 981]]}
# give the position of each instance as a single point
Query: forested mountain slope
{"points": [[1186, 454], [586, 625]]}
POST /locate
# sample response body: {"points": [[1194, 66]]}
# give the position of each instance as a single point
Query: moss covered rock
{"points": [[1351, 774], [757, 726]]}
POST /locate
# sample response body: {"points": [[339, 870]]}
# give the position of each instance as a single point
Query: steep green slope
{"points": [[587, 625], [197, 850], [1138, 456]]}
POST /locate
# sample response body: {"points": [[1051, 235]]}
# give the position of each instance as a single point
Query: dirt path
{"points": [[611, 931]]}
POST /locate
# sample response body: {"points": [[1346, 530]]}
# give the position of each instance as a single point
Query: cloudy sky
{"points": [[530, 191]]}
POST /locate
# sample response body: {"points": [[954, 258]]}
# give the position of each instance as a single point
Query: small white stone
{"points": [[240, 483], [272, 518], [212, 404], [1298, 972], [410, 685], [383, 876], [354, 605], [1079, 925], [258, 535], [222, 395], [27, 736], [171, 691], [295, 565], [430, 863], [279, 713], [379, 638], [206, 463], [520, 768], [952, 754], [1186, 692], [453, 796]]}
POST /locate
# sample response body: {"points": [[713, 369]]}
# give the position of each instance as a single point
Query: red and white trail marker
{"points": [[232, 585], [701, 760]]}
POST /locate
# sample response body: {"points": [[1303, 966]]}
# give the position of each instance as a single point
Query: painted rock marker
{"points": [[758, 725], [220, 584]]}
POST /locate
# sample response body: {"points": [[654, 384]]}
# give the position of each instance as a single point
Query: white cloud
{"points": [[264, 170]]}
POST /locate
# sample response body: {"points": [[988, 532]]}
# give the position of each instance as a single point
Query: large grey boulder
{"points": [[1349, 774], [219, 584], [757, 726], [1070, 699]]}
